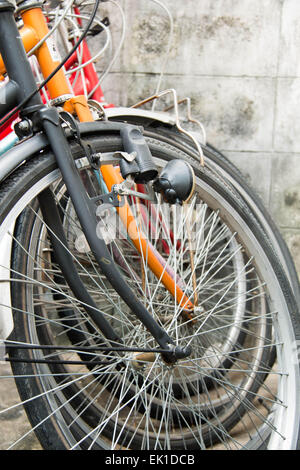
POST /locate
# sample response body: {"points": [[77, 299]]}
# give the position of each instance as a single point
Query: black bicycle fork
{"points": [[47, 119]]}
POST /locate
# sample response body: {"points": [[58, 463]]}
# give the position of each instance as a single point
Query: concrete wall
{"points": [[239, 61]]}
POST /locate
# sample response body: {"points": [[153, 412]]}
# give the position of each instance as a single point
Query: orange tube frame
{"points": [[35, 28], [111, 176]]}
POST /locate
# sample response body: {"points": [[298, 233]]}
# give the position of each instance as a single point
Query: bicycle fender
{"points": [[6, 318], [121, 112]]}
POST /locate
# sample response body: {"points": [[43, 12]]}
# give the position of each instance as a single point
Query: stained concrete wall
{"points": [[239, 61]]}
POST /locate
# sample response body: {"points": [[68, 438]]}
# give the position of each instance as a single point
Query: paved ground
{"points": [[13, 422]]}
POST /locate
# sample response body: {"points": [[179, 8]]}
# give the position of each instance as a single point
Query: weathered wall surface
{"points": [[239, 61]]}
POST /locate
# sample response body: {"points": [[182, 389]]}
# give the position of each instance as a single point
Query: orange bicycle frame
{"points": [[34, 30]]}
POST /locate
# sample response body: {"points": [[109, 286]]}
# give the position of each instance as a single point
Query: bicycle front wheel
{"points": [[230, 393]]}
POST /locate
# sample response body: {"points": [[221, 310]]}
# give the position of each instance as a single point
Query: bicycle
{"points": [[214, 358], [87, 83]]}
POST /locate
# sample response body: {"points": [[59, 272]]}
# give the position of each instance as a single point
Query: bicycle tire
{"points": [[24, 186], [229, 171]]}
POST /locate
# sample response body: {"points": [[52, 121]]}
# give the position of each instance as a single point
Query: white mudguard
{"points": [[6, 320]]}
